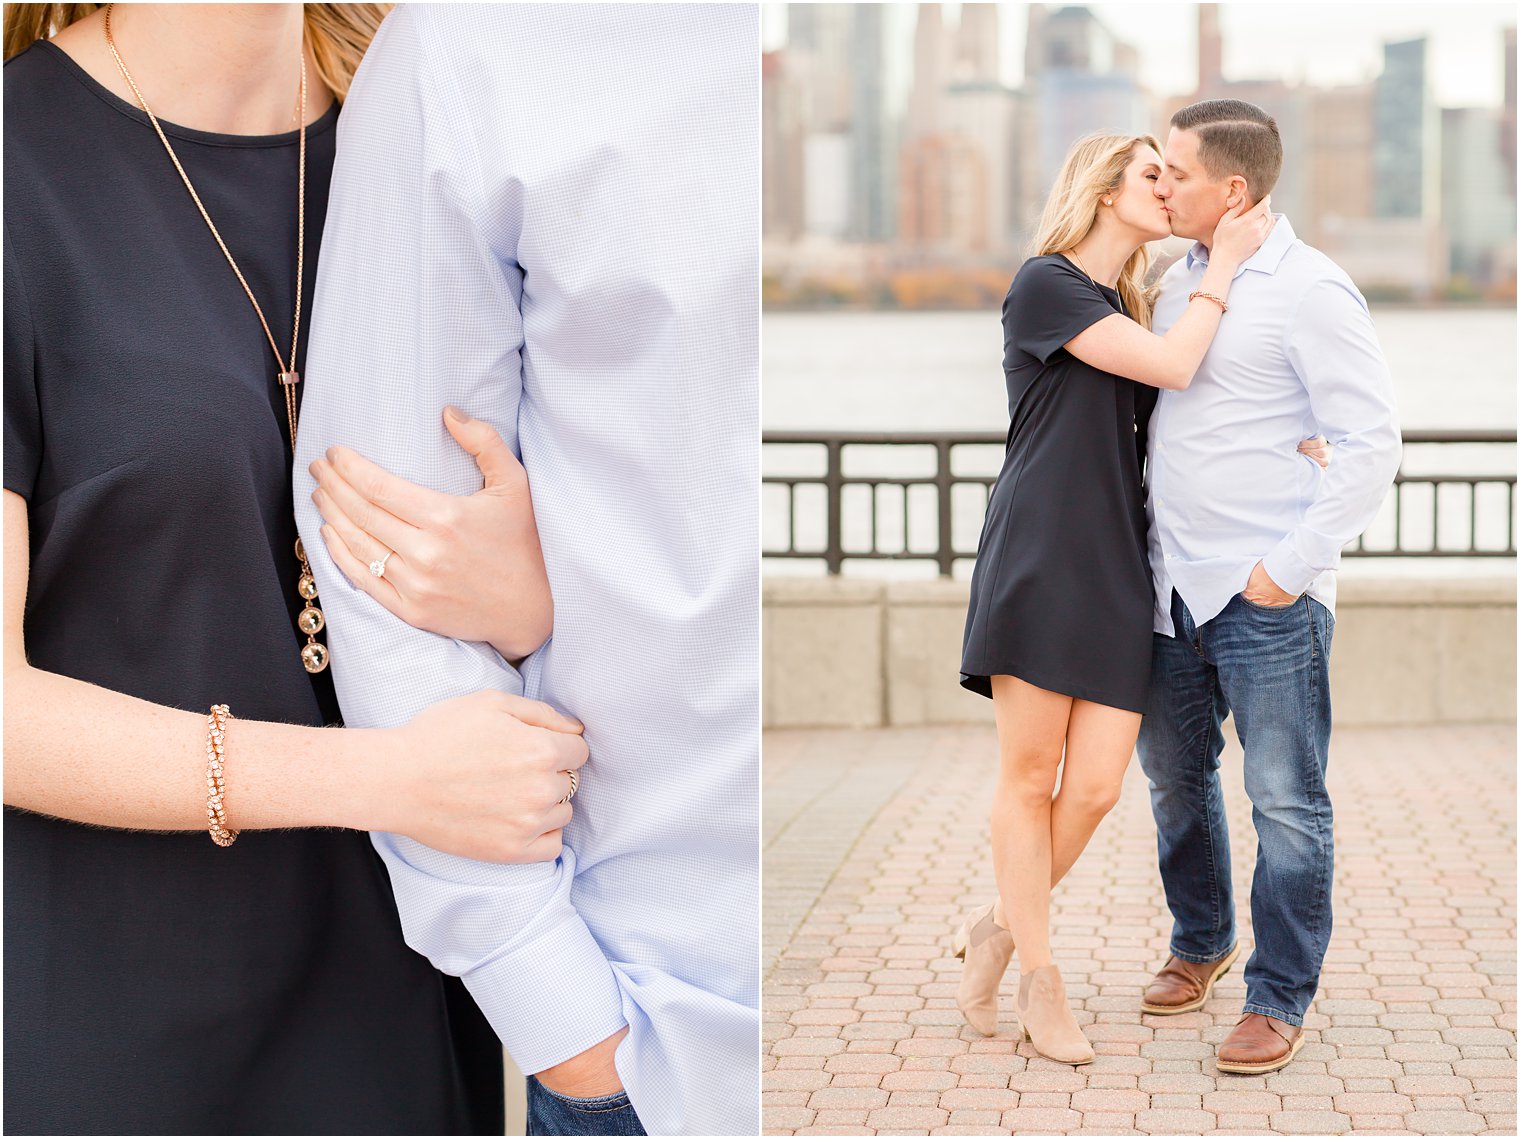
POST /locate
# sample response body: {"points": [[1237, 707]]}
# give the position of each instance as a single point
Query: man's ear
{"points": [[1239, 193]]}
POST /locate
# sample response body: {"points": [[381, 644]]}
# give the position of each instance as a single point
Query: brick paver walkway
{"points": [[875, 843]]}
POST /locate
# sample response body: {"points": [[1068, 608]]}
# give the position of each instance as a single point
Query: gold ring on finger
{"points": [[575, 782]]}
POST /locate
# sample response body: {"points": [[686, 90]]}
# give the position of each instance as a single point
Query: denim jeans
{"points": [[550, 1113], [1270, 668]]}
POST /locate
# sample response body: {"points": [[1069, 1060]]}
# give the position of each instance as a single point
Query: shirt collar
{"points": [[1264, 260]]}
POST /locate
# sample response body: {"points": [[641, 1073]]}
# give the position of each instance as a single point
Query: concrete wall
{"points": [[841, 652]]}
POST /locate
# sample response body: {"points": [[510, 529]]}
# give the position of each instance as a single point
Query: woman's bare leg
{"points": [[1032, 725], [1099, 743]]}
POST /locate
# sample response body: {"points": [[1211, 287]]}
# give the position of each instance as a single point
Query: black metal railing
{"points": [[846, 518]]}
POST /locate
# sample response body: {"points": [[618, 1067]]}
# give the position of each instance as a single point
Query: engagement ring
{"points": [[378, 569]]}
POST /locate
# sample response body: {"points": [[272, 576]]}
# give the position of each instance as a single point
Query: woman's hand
{"points": [[468, 567], [1318, 449], [483, 776], [1241, 231]]}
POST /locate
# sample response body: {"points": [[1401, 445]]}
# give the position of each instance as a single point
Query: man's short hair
{"points": [[1235, 137]]}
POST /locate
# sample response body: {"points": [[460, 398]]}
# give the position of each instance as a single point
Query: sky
{"points": [[1325, 44]]}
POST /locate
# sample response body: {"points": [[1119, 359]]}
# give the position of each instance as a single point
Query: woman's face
{"points": [[1135, 203]]}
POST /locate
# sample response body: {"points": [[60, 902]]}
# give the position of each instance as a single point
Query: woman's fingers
{"points": [[541, 715], [412, 504], [365, 514], [358, 573], [361, 545], [497, 463]]}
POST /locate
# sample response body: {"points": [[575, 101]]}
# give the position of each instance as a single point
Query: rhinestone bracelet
{"points": [[216, 787]]}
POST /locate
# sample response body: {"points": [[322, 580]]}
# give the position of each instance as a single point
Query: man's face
{"points": [[1194, 201]]}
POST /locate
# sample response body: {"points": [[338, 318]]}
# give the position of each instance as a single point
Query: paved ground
{"points": [[875, 843]]}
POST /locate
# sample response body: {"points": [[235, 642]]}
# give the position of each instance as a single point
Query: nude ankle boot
{"points": [[986, 948], [1047, 1019]]}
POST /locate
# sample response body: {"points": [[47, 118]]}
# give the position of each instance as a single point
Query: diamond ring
{"points": [[378, 567]]}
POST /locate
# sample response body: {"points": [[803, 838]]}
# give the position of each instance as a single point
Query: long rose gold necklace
{"points": [[314, 654]]}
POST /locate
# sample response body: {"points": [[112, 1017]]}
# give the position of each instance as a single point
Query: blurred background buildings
{"points": [[922, 190]]}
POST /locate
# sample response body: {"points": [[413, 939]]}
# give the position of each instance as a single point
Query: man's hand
{"points": [[592, 1073], [1262, 590]]}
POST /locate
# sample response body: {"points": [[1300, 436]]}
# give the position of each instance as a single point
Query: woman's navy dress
{"points": [[154, 982], [1061, 594]]}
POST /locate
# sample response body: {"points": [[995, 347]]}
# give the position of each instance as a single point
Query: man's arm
{"points": [[1333, 347], [418, 306]]}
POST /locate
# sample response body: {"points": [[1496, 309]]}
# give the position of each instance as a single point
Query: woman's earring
{"points": [[1108, 201]]}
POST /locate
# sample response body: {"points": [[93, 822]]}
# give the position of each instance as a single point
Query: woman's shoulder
{"points": [[34, 82], [1037, 275]]}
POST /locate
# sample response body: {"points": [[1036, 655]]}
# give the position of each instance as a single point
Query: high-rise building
{"points": [[1406, 152], [1337, 151], [1210, 52], [931, 72], [781, 166], [1086, 82], [976, 44], [818, 46], [1477, 201], [1507, 122], [984, 116], [872, 145]]}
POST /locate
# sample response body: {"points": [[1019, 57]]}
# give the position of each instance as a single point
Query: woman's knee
{"points": [[1028, 781], [1091, 799]]}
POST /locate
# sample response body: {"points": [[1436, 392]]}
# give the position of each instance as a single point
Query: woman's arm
{"points": [[1123, 347], [478, 776]]}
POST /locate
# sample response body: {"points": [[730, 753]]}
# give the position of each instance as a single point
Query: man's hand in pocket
{"points": [[592, 1073], [1262, 590]]}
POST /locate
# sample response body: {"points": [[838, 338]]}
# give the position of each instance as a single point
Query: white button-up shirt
{"points": [[1295, 356], [549, 216]]}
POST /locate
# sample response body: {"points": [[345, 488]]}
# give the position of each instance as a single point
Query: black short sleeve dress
{"points": [[154, 982], [1061, 592]]}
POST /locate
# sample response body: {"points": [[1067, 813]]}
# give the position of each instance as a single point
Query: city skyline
{"points": [[1346, 48], [924, 198]]}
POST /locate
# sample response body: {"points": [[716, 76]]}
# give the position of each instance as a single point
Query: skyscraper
{"points": [[976, 44], [1478, 204], [931, 71], [872, 147], [1406, 152], [1507, 122], [780, 150], [1210, 52]]}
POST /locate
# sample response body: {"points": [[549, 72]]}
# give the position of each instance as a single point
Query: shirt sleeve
{"points": [[1333, 347], [23, 415], [418, 305], [1048, 304]]}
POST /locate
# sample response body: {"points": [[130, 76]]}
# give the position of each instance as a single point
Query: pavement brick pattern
{"points": [[876, 843]]}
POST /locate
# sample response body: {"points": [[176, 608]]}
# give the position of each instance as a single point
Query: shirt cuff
{"points": [[552, 997], [1287, 569]]}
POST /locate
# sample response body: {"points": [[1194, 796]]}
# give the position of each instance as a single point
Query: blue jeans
{"points": [[550, 1113], [1270, 668]]}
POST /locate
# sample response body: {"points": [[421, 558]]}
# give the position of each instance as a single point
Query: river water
{"points": [[1453, 369]]}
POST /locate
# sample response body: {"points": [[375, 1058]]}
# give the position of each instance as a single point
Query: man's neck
{"points": [[231, 69]]}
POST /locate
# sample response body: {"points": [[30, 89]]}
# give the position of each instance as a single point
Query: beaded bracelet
{"points": [[216, 787], [1223, 308]]}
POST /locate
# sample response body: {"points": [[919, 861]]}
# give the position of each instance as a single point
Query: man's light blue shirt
{"points": [[1295, 356], [549, 217]]}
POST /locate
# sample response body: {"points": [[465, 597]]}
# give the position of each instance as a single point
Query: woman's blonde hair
{"points": [[1095, 166], [339, 33]]}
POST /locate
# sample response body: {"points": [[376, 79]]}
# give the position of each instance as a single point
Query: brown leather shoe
{"points": [[1259, 1043], [1183, 986]]}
